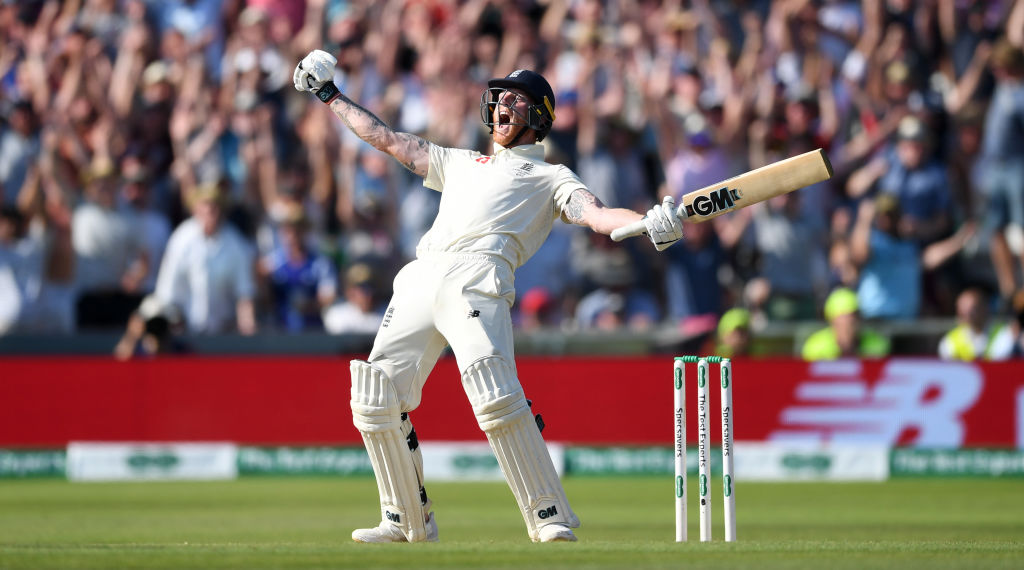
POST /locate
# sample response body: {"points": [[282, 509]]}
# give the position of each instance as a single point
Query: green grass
{"points": [[627, 523]]}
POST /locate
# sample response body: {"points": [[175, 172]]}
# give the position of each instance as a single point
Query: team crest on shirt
{"points": [[524, 169]]}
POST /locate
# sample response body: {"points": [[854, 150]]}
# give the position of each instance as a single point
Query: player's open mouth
{"points": [[504, 118]]}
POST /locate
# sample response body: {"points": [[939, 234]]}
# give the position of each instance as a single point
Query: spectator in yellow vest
{"points": [[844, 337], [1017, 324], [734, 338], [975, 337]]}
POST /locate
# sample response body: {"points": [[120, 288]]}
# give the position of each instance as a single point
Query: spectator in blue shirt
{"points": [[919, 182], [301, 282], [890, 262]]}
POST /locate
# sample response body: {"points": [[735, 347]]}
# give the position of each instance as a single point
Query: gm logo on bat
{"points": [[720, 200]]}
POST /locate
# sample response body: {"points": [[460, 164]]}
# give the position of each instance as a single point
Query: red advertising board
{"points": [[590, 400]]}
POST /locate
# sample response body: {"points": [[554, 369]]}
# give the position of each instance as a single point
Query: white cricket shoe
{"points": [[387, 531], [555, 532]]}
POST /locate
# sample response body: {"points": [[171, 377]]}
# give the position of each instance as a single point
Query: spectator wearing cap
{"points": [[613, 308], [208, 269], [1003, 161], [897, 82], [976, 336], [919, 182], [150, 122], [301, 281], [359, 312], [734, 335], [844, 337], [694, 162], [156, 87]]}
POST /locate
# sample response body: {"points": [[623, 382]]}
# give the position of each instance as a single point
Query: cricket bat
{"points": [[746, 189]]}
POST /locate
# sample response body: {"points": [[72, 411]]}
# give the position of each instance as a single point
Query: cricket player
{"points": [[496, 210]]}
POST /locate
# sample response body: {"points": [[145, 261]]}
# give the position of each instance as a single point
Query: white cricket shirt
{"points": [[502, 205]]}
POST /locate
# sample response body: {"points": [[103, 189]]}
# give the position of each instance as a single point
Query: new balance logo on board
{"points": [[473, 314]]}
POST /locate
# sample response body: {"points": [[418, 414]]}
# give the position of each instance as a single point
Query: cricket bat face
{"points": [[746, 189], [755, 186]]}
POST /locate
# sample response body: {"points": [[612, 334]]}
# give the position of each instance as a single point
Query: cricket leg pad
{"points": [[504, 415], [394, 453]]}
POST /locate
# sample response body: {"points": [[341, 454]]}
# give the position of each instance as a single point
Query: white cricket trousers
{"points": [[440, 299]]}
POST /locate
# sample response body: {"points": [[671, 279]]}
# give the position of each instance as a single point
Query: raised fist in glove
{"points": [[663, 225], [315, 73]]}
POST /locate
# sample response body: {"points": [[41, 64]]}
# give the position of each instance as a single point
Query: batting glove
{"points": [[315, 73], [663, 226]]}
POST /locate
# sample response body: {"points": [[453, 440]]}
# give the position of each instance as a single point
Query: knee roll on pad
{"points": [[495, 393], [389, 438], [504, 415]]}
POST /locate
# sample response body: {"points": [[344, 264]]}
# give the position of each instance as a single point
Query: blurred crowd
{"points": [[155, 150]]}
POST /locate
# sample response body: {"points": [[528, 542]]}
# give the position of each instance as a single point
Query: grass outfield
{"points": [[627, 522]]}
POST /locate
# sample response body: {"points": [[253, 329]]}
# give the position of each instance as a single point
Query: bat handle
{"points": [[630, 230], [638, 227]]}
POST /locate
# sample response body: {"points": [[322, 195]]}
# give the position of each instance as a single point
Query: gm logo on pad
{"points": [[548, 512]]}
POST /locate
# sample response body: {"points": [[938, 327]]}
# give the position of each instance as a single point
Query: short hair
{"points": [[1007, 56]]}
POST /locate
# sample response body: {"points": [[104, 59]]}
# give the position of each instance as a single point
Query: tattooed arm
{"points": [[412, 151], [315, 74], [584, 209]]}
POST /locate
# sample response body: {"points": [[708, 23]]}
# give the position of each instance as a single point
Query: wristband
{"points": [[328, 93]]}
